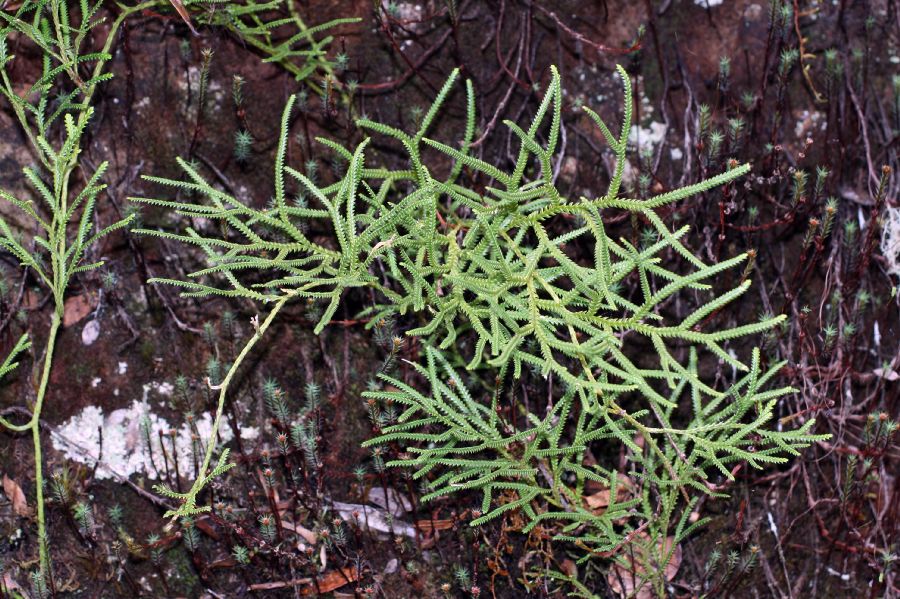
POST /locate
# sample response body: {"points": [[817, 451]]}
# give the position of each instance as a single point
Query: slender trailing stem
{"points": [[223, 387], [35, 426], [189, 499]]}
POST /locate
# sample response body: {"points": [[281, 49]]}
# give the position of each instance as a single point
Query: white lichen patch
{"points": [[890, 241], [407, 11], [709, 3], [123, 367], [142, 104], [647, 107], [127, 441], [164, 388], [653, 134], [809, 123], [189, 86], [90, 332]]}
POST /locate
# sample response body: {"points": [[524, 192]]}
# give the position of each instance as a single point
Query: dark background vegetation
{"points": [[824, 525]]}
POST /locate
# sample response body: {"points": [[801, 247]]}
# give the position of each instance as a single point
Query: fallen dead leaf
{"points": [[31, 300], [206, 527], [373, 519], [392, 501], [392, 566], [631, 579], [599, 501], [10, 584], [76, 308], [888, 375], [184, 14], [569, 568], [331, 580], [225, 562], [308, 535], [428, 526], [15, 495]]}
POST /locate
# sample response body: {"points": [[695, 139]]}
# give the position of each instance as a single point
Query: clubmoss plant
{"points": [[302, 53], [54, 113], [516, 276]]}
